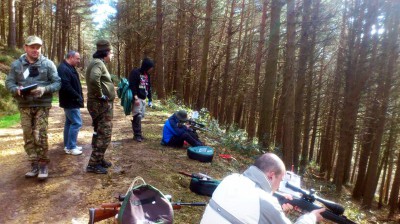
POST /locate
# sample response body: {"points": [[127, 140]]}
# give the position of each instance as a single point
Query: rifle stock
{"points": [[107, 210], [309, 206]]}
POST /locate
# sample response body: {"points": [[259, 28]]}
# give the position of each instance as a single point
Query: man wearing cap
{"points": [[176, 132], [71, 99], [140, 85], [100, 100], [32, 68]]}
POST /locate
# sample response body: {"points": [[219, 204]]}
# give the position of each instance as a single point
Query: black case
{"points": [[203, 187], [27, 89]]}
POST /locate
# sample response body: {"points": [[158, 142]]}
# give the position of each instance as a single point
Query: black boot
{"points": [[137, 127], [94, 140]]}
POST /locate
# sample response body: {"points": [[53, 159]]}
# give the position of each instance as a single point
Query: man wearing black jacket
{"points": [[140, 85], [71, 99]]}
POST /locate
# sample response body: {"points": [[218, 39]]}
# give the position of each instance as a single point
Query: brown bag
{"points": [[145, 204]]}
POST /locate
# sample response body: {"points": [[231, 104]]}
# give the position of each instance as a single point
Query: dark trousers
{"points": [[190, 137], [102, 115]]}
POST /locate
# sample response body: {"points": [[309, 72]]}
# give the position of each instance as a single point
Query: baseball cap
{"points": [[33, 40]]}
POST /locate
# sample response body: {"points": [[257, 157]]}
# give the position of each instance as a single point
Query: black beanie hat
{"points": [[147, 63]]}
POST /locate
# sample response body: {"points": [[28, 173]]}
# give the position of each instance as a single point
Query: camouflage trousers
{"points": [[34, 122], [102, 115]]}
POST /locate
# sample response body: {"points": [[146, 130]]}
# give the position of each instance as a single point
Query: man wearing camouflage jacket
{"points": [[34, 105]]}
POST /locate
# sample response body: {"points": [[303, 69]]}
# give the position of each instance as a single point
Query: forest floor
{"points": [[69, 192]]}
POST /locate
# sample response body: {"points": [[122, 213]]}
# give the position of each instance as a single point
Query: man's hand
{"points": [[38, 92], [287, 207], [104, 98], [317, 214]]}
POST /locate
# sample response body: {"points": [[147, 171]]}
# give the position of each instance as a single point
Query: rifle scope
{"points": [[311, 197]]}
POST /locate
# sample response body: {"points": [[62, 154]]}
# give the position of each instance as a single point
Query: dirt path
{"points": [[69, 191]]}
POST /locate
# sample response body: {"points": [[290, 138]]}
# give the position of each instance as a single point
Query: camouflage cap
{"points": [[31, 40], [103, 45]]}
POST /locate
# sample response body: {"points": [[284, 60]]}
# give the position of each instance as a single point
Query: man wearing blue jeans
{"points": [[71, 99]]}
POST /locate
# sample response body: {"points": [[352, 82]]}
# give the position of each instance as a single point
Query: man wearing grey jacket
{"points": [[247, 198], [32, 68]]}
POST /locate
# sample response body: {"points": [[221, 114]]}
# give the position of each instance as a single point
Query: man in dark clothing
{"points": [[100, 104], [71, 99], [176, 132], [140, 85]]}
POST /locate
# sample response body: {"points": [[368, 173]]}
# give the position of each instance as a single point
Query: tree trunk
{"points": [[304, 55], [180, 50], [56, 28], [204, 60], [226, 84], [11, 42], [288, 89], [268, 92], [20, 42], [253, 104], [159, 59], [2, 21]]}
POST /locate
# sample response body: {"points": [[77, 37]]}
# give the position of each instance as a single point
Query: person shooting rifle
{"points": [[248, 197], [177, 130], [334, 212]]}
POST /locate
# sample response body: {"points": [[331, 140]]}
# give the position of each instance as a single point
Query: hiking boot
{"points": [[138, 138], [105, 163], [34, 170], [99, 169], [43, 171]]}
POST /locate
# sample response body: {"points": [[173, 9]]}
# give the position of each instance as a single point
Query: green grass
{"points": [[9, 120]]}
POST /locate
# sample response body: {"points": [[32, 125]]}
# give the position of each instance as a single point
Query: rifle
{"points": [[200, 176], [334, 212], [197, 126], [107, 210], [178, 205]]}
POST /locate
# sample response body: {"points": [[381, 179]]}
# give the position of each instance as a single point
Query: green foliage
{"points": [[234, 138], [6, 59], [11, 55], [9, 120], [7, 103]]}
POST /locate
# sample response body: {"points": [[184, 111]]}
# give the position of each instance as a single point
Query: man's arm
{"points": [[55, 80], [11, 82], [134, 83], [95, 81]]}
